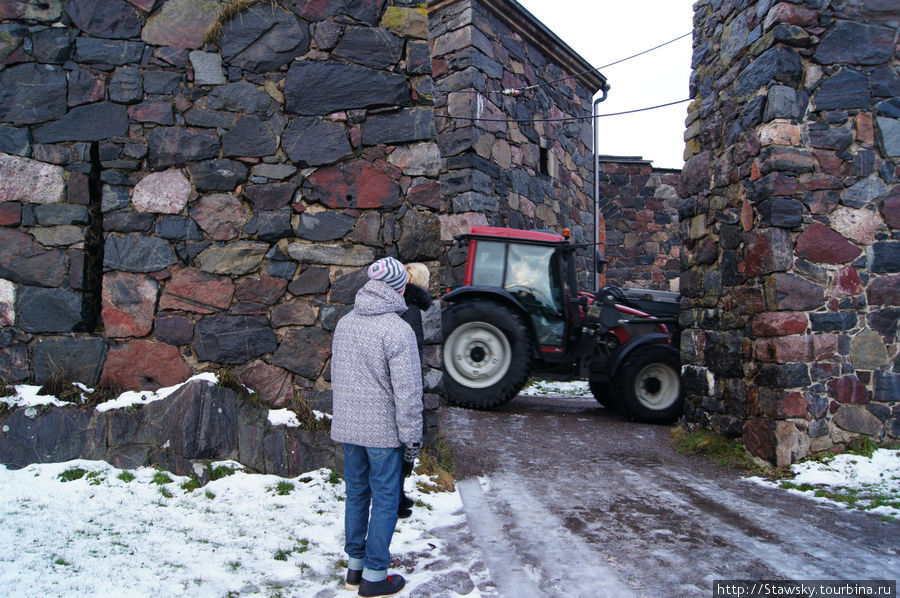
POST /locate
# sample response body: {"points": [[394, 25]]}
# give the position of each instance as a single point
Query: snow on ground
{"points": [[141, 533], [552, 388]]}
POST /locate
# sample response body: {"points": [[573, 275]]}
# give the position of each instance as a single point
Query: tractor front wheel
{"points": [[487, 354], [649, 383]]}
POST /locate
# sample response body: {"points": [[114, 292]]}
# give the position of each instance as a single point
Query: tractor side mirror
{"points": [[600, 261]]}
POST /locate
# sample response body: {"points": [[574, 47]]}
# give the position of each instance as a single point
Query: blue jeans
{"points": [[372, 478]]}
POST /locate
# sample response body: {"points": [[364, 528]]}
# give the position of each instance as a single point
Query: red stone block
{"points": [[266, 290], [845, 283], [884, 290], [848, 390], [825, 346], [784, 349], [197, 291], [145, 365], [10, 213], [759, 438], [426, 193], [890, 208], [779, 324], [818, 243], [129, 302], [793, 405]]}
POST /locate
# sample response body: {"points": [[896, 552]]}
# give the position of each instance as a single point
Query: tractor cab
{"points": [[519, 311]]}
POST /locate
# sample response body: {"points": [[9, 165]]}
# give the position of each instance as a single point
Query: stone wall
{"points": [[790, 239], [639, 206], [509, 160], [185, 188]]}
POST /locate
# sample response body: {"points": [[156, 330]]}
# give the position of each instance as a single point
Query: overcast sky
{"points": [[603, 31]]}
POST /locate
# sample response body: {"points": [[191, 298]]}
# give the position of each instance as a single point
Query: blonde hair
{"points": [[418, 274]]}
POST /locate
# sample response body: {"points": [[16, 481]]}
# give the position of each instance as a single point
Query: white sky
{"points": [[603, 31]]}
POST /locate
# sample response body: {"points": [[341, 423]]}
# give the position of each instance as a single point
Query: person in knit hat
{"points": [[377, 415]]}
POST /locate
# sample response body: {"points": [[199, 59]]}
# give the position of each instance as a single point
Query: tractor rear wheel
{"points": [[604, 394], [487, 354], [649, 383]]}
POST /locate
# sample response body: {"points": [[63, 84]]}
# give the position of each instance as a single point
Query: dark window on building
{"points": [[545, 161]]}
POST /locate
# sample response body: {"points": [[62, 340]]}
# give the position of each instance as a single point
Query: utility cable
{"points": [[564, 118]]}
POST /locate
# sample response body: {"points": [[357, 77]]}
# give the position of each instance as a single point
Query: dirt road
{"points": [[566, 499]]}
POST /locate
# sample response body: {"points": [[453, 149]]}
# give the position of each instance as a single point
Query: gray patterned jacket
{"points": [[375, 373]]}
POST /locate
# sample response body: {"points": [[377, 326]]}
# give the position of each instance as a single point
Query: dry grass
{"points": [[228, 11], [438, 465]]}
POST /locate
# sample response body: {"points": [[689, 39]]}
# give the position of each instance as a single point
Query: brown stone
{"points": [[196, 291], [425, 192], [759, 438], [10, 213], [129, 302], [293, 313], [221, 215], [784, 349], [890, 208], [847, 390], [266, 290], [792, 292], [793, 405], [145, 365], [818, 243], [855, 418], [779, 324], [272, 384], [765, 251], [825, 346], [884, 290], [791, 14]]}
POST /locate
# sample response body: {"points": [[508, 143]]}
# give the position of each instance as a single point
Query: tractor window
{"points": [[488, 269], [532, 275]]}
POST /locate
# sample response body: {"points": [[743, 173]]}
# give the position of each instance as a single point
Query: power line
{"points": [[565, 118]]}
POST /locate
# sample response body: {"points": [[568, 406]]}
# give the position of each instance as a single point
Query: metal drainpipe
{"points": [[596, 127]]}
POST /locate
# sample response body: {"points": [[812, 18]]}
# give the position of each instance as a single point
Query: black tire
{"points": [[486, 354], [649, 383], [603, 394]]}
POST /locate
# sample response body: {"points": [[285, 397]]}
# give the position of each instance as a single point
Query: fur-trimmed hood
{"points": [[417, 296]]}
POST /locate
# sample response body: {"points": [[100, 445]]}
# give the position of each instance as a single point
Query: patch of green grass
{"points": [[725, 451], [126, 476], [234, 565], [801, 487], [165, 492], [161, 477], [283, 488], [282, 555], [192, 484], [69, 475], [304, 546], [94, 478], [219, 472], [334, 477], [210, 495], [62, 562]]}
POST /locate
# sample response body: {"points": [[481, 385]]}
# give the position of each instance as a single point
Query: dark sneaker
{"points": [[389, 586], [405, 508], [354, 576]]}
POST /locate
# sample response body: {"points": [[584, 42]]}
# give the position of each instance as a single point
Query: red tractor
{"points": [[519, 314]]}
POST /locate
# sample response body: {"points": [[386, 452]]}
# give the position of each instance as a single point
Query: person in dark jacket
{"points": [[376, 380], [418, 300]]}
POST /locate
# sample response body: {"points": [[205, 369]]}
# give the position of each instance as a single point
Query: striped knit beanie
{"points": [[390, 271]]}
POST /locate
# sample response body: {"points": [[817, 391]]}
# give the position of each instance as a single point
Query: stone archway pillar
{"points": [[789, 224]]}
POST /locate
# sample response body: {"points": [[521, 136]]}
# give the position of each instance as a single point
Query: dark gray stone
{"points": [[345, 288], [884, 256], [233, 339], [781, 212], [889, 108], [791, 375], [372, 47], [127, 221], [52, 435], [14, 140], [105, 18], [324, 226], [283, 270], [313, 142], [126, 86], [218, 175], [330, 315], [76, 359], [178, 228], [86, 85], [32, 93], [173, 146], [887, 386], [303, 352], [271, 196], [855, 43], [845, 89], [197, 117], [409, 124], [885, 82], [161, 82], [785, 102], [114, 197], [174, 330], [14, 364], [263, 38], [12, 37], [779, 64], [48, 310], [834, 138], [52, 45], [420, 234], [26, 262], [271, 226], [91, 122], [833, 321], [137, 253], [91, 50], [249, 137], [317, 88], [312, 281], [54, 214], [239, 97]]}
